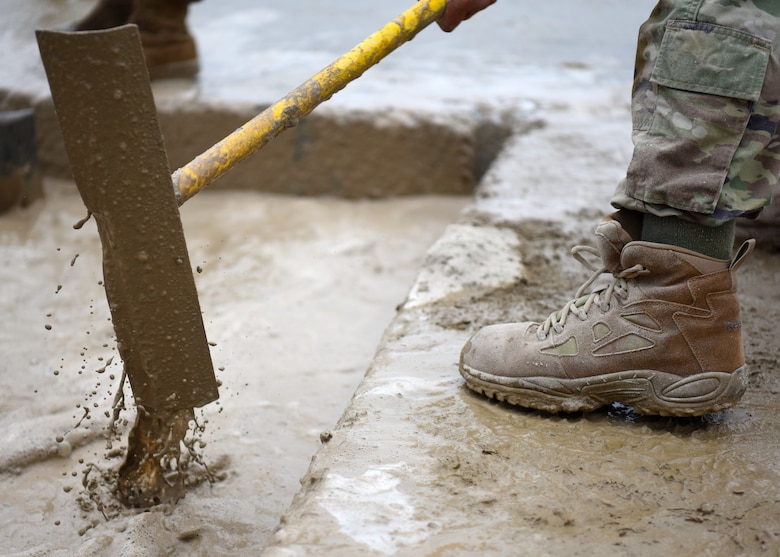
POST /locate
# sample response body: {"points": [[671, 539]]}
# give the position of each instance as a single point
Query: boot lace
{"points": [[600, 296]]}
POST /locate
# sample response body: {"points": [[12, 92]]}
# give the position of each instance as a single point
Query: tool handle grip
{"points": [[286, 112]]}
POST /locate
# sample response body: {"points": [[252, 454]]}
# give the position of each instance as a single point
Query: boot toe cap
{"points": [[495, 349]]}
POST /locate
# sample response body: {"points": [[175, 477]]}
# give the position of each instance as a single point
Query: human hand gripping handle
{"points": [[461, 10]]}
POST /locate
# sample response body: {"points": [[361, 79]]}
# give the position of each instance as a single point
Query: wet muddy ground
{"points": [[417, 464], [295, 293]]}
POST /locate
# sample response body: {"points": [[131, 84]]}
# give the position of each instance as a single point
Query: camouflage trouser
{"points": [[705, 109]]}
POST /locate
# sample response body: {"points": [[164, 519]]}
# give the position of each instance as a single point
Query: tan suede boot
{"points": [[105, 14], [663, 336], [169, 47]]}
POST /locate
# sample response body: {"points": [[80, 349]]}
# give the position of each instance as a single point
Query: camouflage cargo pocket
{"points": [[706, 58], [706, 77]]}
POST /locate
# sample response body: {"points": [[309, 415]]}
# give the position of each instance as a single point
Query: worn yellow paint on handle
{"points": [[285, 113]]}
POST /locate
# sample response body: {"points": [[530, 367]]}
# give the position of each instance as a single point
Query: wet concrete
{"points": [[296, 294], [417, 464], [449, 472]]}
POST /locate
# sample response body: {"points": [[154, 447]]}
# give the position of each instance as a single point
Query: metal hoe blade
{"points": [[108, 119]]}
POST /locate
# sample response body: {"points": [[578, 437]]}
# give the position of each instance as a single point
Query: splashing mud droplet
{"points": [[108, 363], [83, 221]]}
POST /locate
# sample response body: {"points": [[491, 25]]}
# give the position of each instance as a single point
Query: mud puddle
{"points": [[295, 294]]}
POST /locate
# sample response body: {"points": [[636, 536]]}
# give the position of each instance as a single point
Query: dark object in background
{"points": [[20, 178]]}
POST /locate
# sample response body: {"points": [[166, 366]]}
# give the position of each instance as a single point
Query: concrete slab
{"points": [[418, 465]]}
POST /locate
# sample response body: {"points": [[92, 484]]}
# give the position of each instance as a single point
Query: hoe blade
{"points": [[108, 119]]}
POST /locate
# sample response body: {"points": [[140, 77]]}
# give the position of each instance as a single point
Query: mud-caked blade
{"points": [[108, 119]]}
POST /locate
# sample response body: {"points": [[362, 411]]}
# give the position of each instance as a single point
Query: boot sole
{"points": [[185, 69], [647, 391]]}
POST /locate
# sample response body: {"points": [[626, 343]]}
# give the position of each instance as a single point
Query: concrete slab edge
{"points": [[372, 482], [340, 152]]}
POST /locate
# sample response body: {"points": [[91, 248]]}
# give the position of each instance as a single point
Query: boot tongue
{"points": [[611, 238]]}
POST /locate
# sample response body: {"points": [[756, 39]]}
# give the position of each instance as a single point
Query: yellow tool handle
{"points": [[285, 113]]}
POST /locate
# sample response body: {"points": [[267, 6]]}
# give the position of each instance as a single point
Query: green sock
{"points": [[713, 241]]}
